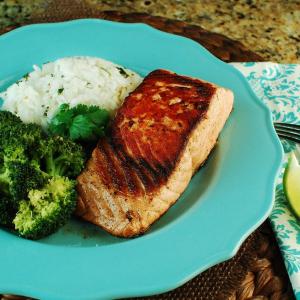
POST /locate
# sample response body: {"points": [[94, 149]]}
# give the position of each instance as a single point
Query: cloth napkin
{"points": [[278, 86]]}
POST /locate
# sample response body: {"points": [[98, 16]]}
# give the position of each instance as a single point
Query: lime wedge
{"points": [[291, 184]]}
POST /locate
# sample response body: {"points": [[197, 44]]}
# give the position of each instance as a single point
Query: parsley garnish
{"points": [[80, 123]]}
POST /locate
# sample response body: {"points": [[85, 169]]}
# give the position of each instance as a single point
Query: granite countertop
{"points": [[269, 28]]}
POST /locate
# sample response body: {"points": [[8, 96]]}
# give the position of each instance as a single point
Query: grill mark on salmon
{"points": [[134, 185], [101, 166], [113, 170], [117, 172]]}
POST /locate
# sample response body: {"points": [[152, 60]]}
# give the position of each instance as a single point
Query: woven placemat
{"points": [[257, 270]]}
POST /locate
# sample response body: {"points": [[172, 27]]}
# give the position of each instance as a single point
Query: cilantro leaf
{"points": [[61, 122], [82, 109], [80, 123], [81, 128], [100, 117]]}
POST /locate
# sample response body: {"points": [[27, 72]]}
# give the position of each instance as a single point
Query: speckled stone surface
{"points": [[270, 28]]}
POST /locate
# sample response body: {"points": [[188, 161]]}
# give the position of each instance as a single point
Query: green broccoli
{"points": [[9, 125], [7, 119], [24, 177], [18, 175], [47, 209], [51, 206], [7, 212], [14, 132], [37, 190], [61, 157]]}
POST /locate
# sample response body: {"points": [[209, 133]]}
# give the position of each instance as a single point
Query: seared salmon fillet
{"points": [[161, 135]]}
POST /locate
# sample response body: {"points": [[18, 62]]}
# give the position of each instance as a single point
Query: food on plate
{"points": [[73, 80], [291, 183], [161, 135], [80, 123], [37, 177], [144, 160]]}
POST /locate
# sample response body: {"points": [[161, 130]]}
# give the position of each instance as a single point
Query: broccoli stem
{"points": [[61, 167], [55, 166], [4, 181], [50, 167], [4, 177]]}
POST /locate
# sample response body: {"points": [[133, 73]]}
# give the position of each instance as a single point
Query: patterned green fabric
{"points": [[278, 86]]}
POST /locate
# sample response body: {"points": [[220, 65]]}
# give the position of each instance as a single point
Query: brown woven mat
{"points": [[257, 271]]}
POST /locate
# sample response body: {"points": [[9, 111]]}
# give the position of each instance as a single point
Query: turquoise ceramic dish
{"points": [[226, 200]]}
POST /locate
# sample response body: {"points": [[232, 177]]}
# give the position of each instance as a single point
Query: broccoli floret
{"points": [[61, 157], [24, 177], [10, 127], [9, 156], [31, 135], [7, 212], [36, 173], [47, 209], [7, 118], [18, 175], [14, 132], [14, 152]]}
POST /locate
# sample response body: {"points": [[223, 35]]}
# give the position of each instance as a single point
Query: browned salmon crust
{"points": [[160, 136]]}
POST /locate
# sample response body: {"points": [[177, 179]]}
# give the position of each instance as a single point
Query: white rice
{"points": [[87, 80]]}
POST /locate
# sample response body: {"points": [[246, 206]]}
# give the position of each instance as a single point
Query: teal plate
{"points": [[225, 201]]}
